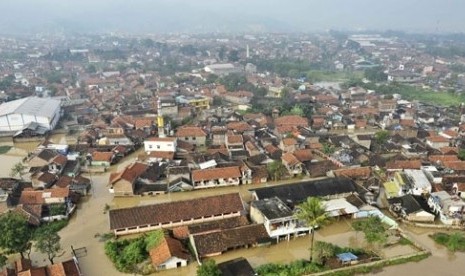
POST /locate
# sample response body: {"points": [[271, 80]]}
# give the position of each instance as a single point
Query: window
{"points": [[158, 146], [186, 138], [150, 146], [193, 138]]}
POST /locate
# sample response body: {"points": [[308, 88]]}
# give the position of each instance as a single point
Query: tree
{"points": [[382, 136], [208, 268], [373, 228], [313, 213], [18, 169], [233, 56], [328, 148], [461, 154], [15, 234], [48, 242], [376, 74], [277, 170], [323, 251]]}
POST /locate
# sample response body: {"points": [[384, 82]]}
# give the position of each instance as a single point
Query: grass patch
{"points": [[56, 225], [453, 242], [5, 149], [404, 241], [300, 267]]}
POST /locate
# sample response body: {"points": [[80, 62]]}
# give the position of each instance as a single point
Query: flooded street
{"points": [[90, 220]]}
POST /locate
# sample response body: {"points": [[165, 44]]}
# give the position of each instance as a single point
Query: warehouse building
{"points": [[18, 114]]}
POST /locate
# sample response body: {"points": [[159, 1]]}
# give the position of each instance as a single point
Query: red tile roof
{"points": [[403, 164], [437, 139], [39, 196], [60, 159], [360, 172], [291, 120], [102, 156], [443, 158], [234, 139], [239, 126], [216, 173], [290, 159], [223, 240], [190, 131], [303, 155], [130, 173], [167, 249], [289, 141], [175, 211], [455, 165]]}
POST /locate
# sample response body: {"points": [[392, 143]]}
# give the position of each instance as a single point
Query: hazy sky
{"points": [[155, 16]]}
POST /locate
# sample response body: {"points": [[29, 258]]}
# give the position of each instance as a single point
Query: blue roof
{"points": [[347, 257]]}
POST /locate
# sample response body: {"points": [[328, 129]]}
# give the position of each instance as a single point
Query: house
{"points": [[288, 144], [236, 267], [449, 208], [162, 144], [399, 165], [170, 253], [115, 139], [174, 214], [412, 208], [217, 242], [192, 134], [437, 142], [296, 193], [278, 218], [57, 164], [124, 182], [234, 142], [42, 158], [23, 267], [213, 177], [102, 158], [42, 180], [292, 164], [48, 204]]}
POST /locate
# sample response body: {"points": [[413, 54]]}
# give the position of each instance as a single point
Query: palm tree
{"points": [[312, 212]]}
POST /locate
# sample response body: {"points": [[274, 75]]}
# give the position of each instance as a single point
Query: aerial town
{"points": [[253, 154]]}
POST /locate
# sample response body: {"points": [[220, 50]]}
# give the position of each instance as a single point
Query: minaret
{"points": [[160, 121], [247, 55]]}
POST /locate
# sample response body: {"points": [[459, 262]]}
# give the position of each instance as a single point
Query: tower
{"points": [[247, 55], [160, 120]]}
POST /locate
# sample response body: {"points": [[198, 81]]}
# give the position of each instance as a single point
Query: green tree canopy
{"points": [[382, 136], [373, 228], [276, 170], [208, 268], [461, 154], [15, 234], [313, 213], [17, 169], [48, 242]]}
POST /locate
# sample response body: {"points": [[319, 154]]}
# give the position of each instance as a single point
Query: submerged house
{"points": [[174, 214]]}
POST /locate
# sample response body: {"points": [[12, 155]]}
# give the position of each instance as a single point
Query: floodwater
{"points": [[90, 220]]}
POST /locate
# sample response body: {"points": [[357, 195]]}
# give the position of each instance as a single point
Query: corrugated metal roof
{"points": [[45, 107]]}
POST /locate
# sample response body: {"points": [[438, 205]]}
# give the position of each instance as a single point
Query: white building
{"points": [[222, 69], [165, 144], [15, 115]]}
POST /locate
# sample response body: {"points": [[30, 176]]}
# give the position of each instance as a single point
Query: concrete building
{"points": [[16, 115], [223, 69]]}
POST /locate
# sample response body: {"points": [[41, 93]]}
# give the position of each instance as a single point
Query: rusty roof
{"points": [[175, 211], [215, 173]]}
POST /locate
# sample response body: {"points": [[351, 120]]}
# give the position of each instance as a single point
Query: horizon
{"points": [[240, 16]]}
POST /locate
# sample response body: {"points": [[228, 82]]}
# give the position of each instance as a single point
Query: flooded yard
{"points": [[90, 220]]}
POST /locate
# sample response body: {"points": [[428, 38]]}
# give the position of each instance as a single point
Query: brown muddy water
{"points": [[90, 220]]}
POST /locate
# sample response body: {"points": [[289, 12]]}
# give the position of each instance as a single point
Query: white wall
{"points": [[166, 146], [14, 122]]}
